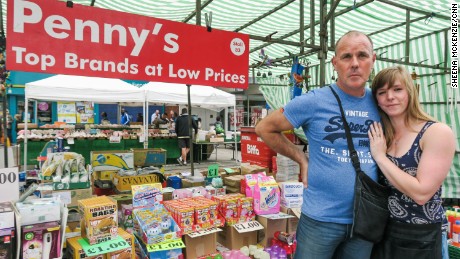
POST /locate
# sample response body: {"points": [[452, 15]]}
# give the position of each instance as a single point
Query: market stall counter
{"points": [[84, 147]]}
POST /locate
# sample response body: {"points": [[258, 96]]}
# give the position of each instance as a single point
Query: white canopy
{"points": [[82, 88], [201, 96]]}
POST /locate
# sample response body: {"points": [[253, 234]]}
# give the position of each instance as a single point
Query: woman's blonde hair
{"points": [[413, 111]]}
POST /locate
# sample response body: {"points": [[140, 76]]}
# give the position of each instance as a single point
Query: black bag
{"points": [[370, 205]]}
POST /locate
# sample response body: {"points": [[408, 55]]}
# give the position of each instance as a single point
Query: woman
{"points": [[414, 154]]}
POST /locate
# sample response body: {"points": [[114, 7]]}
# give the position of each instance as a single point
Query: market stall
{"points": [[201, 96], [80, 88]]}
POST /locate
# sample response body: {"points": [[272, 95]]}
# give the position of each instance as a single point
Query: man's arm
{"points": [[270, 130]]}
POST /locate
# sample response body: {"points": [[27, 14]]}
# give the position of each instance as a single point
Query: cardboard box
{"points": [[234, 181], [218, 139], [186, 183], [292, 223], [123, 183], [270, 227], [148, 157], [232, 239], [253, 169], [6, 215], [112, 160], [104, 175], [69, 197], [125, 253], [200, 246], [75, 251]]}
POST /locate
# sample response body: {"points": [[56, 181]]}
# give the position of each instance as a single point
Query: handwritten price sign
{"points": [[204, 232], [9, 184], [102, 248], [248, 226], [168, 245]]}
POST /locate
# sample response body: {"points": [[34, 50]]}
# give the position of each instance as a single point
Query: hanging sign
{"points": [[48, 37]]}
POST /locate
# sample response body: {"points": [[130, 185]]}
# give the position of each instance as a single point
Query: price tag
{"points": [[102, 248], [248, 226], [70, 141], [168, 245], [204, 232], [9, 184], [213, 171], [114, 139]]}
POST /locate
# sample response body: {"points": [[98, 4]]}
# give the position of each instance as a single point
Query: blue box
{"points": [[149, 157]]}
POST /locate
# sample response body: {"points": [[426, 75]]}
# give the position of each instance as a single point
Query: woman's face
{"points": [[393, 100]]}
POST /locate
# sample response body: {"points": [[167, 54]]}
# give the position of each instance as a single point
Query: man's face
{"points": [[122, 111], [353, 62]]}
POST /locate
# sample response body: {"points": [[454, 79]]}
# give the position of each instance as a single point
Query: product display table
{"points": [[85, 146]]}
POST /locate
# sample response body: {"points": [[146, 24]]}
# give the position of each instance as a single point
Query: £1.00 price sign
{"points": [[9, 184], [248, 226], [102, 248], [168, 245]]}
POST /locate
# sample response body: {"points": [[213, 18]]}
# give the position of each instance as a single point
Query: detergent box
{"points": [[112, 160], [99, 219]]}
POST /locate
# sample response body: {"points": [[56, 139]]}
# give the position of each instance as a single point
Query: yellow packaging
{"points": [[127, 253], [99, 219], [75, 251], [124, 183]]}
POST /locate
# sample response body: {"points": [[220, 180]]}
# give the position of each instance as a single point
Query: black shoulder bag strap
{"points": [[353, 154]]}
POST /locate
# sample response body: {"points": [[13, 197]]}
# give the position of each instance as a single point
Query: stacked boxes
{"points": [[235, 208]]}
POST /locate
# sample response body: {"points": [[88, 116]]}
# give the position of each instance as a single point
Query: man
{"points": [[155, 116], [161, 120], [328, 175], [125, 119], [183, 135]]}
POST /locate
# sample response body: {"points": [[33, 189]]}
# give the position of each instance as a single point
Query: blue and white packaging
{"points": [[291, 194]]}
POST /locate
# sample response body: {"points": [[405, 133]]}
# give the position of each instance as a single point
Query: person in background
{"points": [[155, 116], [219, 126], [414, 153], [140, 117], [198, 122], [328, 175], [173, 116], [125, 119], [161, 120], [104, 118], [183, 135], [9, 124]]}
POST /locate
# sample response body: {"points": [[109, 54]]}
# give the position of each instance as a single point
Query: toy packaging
{"points": [[99, 219], [41, 241], [146, 195], [155, 225]]}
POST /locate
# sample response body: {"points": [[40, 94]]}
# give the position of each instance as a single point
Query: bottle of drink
{"points": [[456, 233], [451, 219]]}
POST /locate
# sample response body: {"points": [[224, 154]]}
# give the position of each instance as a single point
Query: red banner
{"points": [[48, 37]]}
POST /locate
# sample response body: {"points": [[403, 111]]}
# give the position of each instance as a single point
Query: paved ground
{"points": [[225, 158]]}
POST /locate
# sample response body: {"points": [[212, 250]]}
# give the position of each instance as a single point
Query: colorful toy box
{"points": [[99, 219], [155, 224]]}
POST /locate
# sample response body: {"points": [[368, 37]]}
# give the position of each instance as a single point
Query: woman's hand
{"points": [[377, 140]]}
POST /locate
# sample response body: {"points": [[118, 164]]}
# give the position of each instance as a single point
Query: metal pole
{"points": [[302, 29], [190, 128], [407, 47], [5, 135], [323, 43]]}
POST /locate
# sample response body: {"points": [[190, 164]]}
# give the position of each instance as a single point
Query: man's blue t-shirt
{"points": [[331, 176]]}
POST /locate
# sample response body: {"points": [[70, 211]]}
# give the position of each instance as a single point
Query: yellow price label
{"points": [[168, 245]]}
